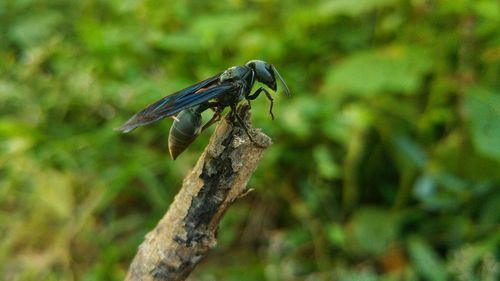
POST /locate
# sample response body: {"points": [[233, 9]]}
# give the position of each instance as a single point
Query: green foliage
{"points": [[385, 163], [399, 69], [426, 261], [482, 107]]}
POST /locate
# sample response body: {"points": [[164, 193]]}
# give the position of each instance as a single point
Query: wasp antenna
{"points": [[287, 90]]}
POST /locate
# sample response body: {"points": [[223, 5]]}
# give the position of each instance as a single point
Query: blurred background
{"points": [[385, 163]]}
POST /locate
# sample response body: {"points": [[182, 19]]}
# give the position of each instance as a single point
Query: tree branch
{"points": [[187, 231]]}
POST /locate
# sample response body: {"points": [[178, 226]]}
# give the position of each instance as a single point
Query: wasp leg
{"points": [[268, 95], [215, 118], [215, 106], [242, 123]]}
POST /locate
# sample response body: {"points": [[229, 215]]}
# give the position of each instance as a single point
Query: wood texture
{"points": [[188, 230]]}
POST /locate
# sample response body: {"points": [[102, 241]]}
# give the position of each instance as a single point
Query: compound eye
{"points": [[269, 70], [266, 73]]}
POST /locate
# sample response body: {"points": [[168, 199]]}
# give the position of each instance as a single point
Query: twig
{"points": [[188, 230]]}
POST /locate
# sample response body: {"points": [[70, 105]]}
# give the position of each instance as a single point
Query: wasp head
{"points": [[264, 73]]}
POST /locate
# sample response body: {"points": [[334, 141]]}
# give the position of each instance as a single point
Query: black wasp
{"points": [[225, 89]]}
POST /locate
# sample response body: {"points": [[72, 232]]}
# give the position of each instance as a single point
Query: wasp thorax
{"points": [[233, 73]]}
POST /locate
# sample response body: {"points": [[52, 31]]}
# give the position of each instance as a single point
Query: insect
{"points": [[225, 89]]}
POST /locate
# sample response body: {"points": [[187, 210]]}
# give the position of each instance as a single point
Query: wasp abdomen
{"points": [[186, 127]]}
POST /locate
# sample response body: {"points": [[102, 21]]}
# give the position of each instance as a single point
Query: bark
{"points": [[188, 230]]}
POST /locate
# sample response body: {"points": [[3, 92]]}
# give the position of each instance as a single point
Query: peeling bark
{"points": [[188, 230]]}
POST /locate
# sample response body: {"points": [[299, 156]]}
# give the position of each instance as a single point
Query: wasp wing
{"points": [[174, 103], [193, 99]]}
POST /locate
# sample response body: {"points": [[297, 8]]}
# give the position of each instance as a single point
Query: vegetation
{"points": [[385, 163]]}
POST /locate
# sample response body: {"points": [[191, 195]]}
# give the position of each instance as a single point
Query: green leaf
{"points": [[489, 211], [372, 230], [409, 151], [326, 165], [336, 234], [34, 28], [352, 8], [358, 276], [298, 115], [426, 261], [181, 42], [225, 26], [483, 116], [396, 69]]}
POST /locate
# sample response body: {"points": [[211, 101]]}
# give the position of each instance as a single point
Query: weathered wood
{"points": [[188, 230]]}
